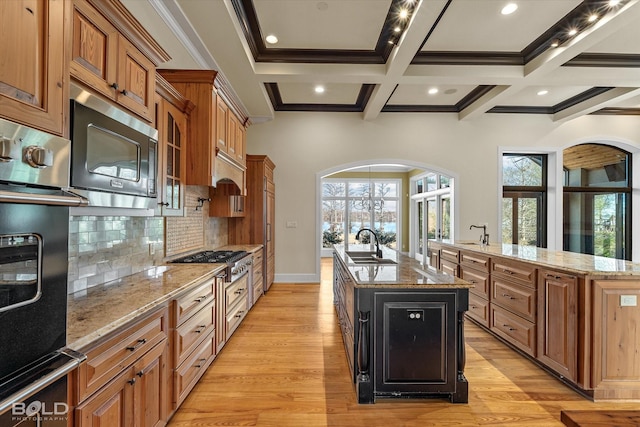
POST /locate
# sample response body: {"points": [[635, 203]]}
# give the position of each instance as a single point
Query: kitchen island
{"points": [[402, 325], [575, 315]]}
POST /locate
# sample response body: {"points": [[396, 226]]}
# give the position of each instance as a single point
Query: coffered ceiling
{"points": [[448, 56]]}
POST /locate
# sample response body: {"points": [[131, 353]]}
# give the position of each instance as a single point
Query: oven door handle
{"points": [[43, 199], [75, 360]]}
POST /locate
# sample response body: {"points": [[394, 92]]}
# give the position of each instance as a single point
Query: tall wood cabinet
{"points": [[34, 69], [258, 224]]}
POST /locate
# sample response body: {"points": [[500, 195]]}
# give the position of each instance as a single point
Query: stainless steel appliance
{"points": [[238, 262], [114, 156], [34, 224]]}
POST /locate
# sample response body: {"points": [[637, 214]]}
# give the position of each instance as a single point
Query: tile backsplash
{"points": [[105, 248]]}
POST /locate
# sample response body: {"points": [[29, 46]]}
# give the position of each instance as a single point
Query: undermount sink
{"points": [[364, 257]]}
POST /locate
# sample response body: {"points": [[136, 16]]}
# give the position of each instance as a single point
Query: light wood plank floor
{"points": [[285, 366]]}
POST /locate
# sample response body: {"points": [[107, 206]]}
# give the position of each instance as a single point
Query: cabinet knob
{"points": [[114, 85], [132, 381], [140, 374], [165, 204], [124, 92]]}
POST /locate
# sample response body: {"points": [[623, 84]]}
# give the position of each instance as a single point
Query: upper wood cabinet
{"points": [[172, 116], [213, 131], [107, 61], [34, 65]]}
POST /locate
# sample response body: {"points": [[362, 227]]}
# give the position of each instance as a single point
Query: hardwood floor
{"points": [[286, 366]]}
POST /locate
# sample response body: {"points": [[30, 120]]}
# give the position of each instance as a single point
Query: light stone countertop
{"points": [[102, 309], [567, 261], [406, 273]]}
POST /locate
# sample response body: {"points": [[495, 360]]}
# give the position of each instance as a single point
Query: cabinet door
{"points": [[151, 387], [270, 241], [232, 129], [172, 133], [111, 406], [557, 333], [221, 124], [241, 144], [136, 80], [33, 66], [94, 50]]}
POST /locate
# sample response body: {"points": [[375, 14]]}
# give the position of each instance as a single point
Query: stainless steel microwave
{"points": [[114, 156]]}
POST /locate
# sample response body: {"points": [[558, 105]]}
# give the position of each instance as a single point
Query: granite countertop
{"points": [[244, 247], [101, 309], [567, 261], [406, 273]]}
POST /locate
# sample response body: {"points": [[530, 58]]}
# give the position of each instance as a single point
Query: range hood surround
{"points": [[228, 171]]}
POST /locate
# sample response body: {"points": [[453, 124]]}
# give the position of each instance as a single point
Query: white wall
{"points": [[303, 144]]}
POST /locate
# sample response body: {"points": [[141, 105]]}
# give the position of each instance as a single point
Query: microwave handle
{"points": [[42, 199]]}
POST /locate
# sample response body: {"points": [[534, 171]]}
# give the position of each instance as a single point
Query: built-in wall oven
{"points": [[34, 226]]}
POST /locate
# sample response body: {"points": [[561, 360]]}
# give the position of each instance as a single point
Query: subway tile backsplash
{"points": [[106, 248]]}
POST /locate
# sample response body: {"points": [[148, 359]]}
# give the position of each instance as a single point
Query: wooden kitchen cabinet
{"points": [[172, 117], [226, 201], [193, 327], [120, 66], [257, 275], [558, 322], [124, 381], [257, 225], [475, 268], [209, 161], [34, 84]]}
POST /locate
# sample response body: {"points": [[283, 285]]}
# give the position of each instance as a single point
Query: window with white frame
{"points": [[432, 219], [351, 204]]}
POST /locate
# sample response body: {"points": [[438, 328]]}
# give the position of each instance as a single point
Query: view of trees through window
{"points": [[524, 191], [597, 194], [349, 205]]}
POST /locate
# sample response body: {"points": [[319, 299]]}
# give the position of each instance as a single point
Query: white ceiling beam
{"points": [[551, 60], [422, 20], [596, 103]]}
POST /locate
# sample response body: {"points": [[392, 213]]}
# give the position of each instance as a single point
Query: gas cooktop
{"points": [[223, 257]]}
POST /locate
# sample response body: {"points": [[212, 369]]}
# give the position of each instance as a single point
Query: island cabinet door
{"points": [[415, 345]]}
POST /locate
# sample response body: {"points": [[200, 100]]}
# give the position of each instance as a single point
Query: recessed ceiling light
{"points": [[555, 43], [322, 5], [397, 29], [271, 39], [613, 3], [450, 91], [432, 91], [319, 89], [572, 32], [403, 13], [593, 18], [509, 8], [542, 92]]}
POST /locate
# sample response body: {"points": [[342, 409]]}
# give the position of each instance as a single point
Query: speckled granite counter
{"points": [[406, 273], [568, 261], [99, 310]]}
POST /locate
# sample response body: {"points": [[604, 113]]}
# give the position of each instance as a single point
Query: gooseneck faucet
{"points": [[484, 238], [373, 233]]}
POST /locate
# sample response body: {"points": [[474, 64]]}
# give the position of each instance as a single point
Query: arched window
{"points": [[597, 201]]}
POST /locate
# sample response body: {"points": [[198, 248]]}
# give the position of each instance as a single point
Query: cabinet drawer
{"points": [[479, 279], [518, 299], [235, 316], [236, 291], [449, 254], [189, 372], [257, 289], [195, 299], [119, 351], [474, 260], [517, 331], [193, 331], [479, 310], [524, 273], [449, 267]]}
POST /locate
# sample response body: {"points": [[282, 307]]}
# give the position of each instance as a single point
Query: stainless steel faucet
{"points": [[373, 233], [484, 238]]}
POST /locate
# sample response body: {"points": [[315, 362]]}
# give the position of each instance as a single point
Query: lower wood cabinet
{"points": [[125, 380], [558, 322]]}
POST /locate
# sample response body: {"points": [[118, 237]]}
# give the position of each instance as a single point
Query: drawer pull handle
{"points": [[132, 381], [200, 299], [509, 327], [138, 344], [200, 329], [473, 281], [554, 277], [509, 272], [473, 307], [200, 361], [239, 314], [508, 296]]}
